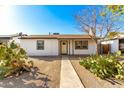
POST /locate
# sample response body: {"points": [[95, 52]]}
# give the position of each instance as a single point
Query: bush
{"points": [[104, 66], [13, 59]]}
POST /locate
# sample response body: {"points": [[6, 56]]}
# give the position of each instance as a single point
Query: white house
{"points": [[10, 38], [116, 44], [53, 45]]}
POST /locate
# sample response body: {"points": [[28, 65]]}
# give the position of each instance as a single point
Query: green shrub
{"points": [[104, 66], [13, 59], [13, 45], [4, 71]]}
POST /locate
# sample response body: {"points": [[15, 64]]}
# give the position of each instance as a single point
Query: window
{"points": [[121, 41], [40, 45], [81, 44]]}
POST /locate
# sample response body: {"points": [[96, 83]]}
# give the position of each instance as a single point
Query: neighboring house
{"points": [[10, 38], [53, 45], [115, 44], [5, 38]]}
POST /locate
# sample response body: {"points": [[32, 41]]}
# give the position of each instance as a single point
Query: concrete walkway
{"points": [[69, 78]]}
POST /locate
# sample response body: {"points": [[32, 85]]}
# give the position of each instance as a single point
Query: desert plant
{"points": [[3, 71], [13, 59], [104, 66]]}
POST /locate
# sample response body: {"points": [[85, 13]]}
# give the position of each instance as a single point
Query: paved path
{"points": [[69, 78]]}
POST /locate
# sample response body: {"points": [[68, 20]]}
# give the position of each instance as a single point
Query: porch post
{"points": [[59, 47], [72, 47], [69, 46]]}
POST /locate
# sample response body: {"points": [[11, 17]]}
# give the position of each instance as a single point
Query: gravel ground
{"points": [[81, 71], [45, 74]]}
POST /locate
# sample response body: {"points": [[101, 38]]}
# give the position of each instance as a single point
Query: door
{"points": [[106, 49], [64, 47]]}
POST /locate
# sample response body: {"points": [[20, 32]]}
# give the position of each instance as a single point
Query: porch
{"points": [[76, 47]]}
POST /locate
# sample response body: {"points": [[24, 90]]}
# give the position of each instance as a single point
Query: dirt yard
{"points": [[96, 82], [46, 73]]}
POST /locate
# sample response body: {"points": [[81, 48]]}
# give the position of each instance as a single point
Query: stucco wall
{"points": [[15, 39], [91, 48], [114, 46], [30, 45], [51, 47]]}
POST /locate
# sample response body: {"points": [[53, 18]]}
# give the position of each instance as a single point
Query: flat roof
{"points": [[56, 37]]}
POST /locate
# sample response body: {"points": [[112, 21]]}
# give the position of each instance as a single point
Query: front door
{"points": [[64, 47]]}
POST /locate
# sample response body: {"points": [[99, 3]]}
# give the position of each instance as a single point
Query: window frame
{"points": [[81, 45], [41, 46]]}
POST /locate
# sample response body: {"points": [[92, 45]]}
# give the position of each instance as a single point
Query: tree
{"points": [[116, 9], [111, 35], [97, 21]]}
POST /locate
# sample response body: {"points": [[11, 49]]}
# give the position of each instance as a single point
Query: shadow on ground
{"points": [[113, 81], [47, 58], [33, 79], [90, 80], [45, 74]]}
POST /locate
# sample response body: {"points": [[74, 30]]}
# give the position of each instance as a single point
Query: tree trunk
{"points": [[97, 49], [100, 47]]}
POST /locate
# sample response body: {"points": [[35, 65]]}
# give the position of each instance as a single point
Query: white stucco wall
{"points": [[15, 39], [51, 47], [114, 45], [91, 48], [30, 45]]}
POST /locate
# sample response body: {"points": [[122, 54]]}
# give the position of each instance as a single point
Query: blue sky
{"points": [[40, 19]]}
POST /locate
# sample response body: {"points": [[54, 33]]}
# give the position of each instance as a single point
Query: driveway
{"points": [[46, 74]]}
